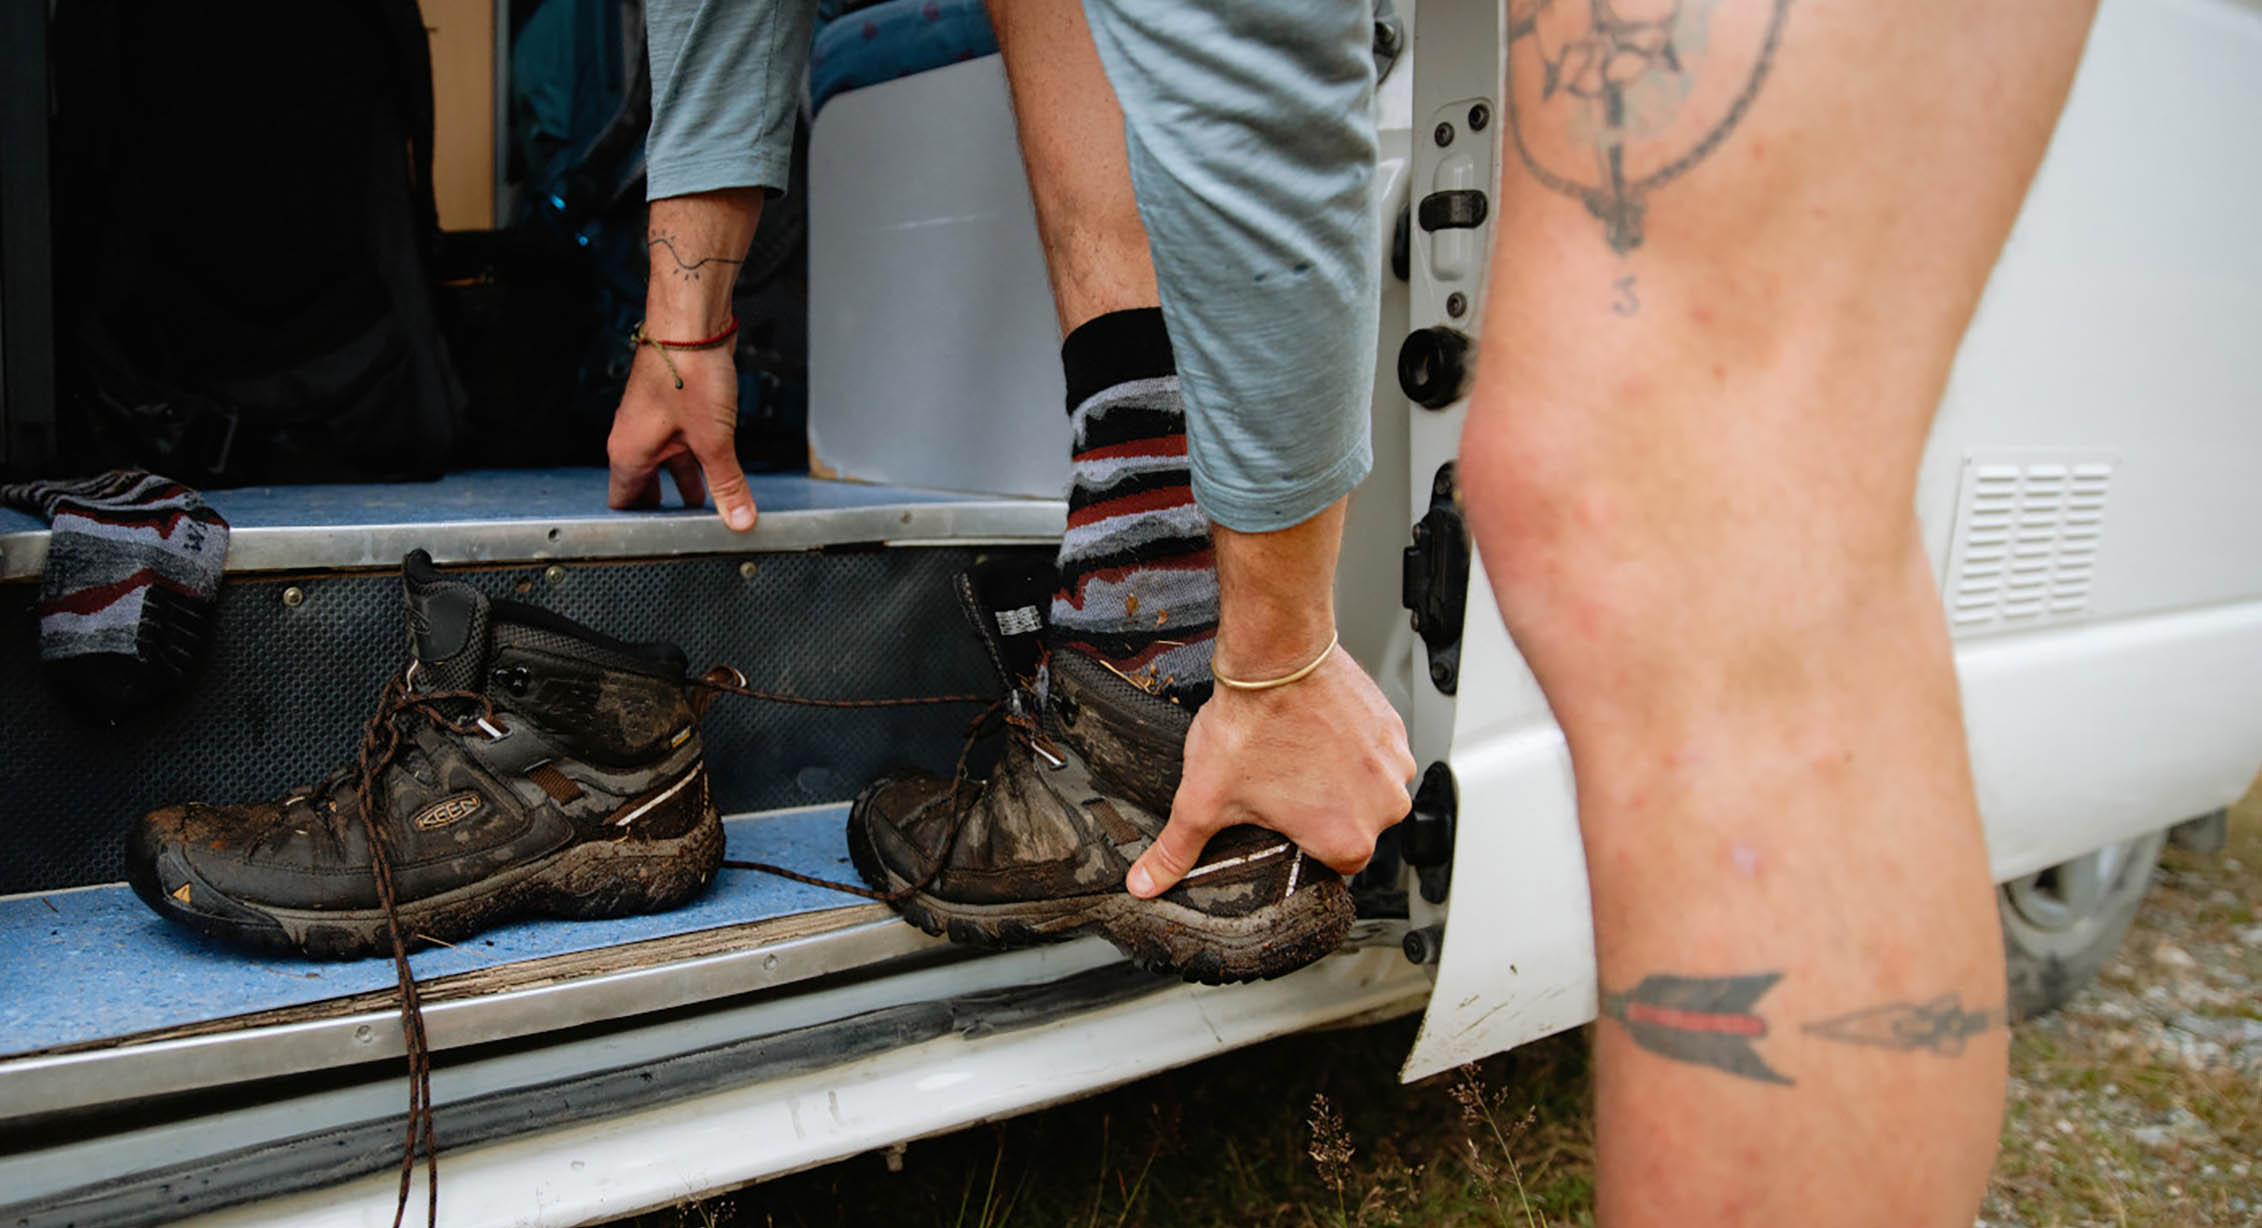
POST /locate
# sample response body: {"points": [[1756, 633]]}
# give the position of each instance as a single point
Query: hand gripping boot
{"points": [[1039, 851]]}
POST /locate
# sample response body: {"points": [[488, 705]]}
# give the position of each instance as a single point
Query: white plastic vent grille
{"points": [[2026, 541]]}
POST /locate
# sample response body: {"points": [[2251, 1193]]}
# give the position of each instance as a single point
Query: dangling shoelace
{"points": [[383, 738]]}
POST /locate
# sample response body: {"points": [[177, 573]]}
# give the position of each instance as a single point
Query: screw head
{"points": [[1479, 116], [554, 574], [1443, 136], [747, 569], [1439, 673], [294, 596], [1456, 304]]}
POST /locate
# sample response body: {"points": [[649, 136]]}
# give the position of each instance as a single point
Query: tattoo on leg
{"points": [[1704, 1020], [687, 270], [1626, 303], [1941, 1025], [1609, 100], [1709, 1021]]}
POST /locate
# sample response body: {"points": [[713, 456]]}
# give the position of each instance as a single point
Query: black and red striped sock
{"points": [[133, 565], [1138, 582]]}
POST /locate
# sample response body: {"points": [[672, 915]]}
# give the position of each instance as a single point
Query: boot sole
{"points": [[590, 881], [1157, 935]]}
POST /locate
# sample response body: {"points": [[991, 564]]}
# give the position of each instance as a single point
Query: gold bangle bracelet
{"points": [[1283, 680]]}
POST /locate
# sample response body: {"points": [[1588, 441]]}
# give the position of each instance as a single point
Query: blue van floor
{"points": [[501, 494], [84, 965]]}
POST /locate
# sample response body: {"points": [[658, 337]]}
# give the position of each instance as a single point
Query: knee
{"points": [[1616, 534]]}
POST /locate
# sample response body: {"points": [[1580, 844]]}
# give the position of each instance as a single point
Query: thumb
{"points": [[726, 484], [1173, 853]]}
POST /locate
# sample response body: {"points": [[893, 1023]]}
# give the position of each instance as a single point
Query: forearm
{"points": [[1276, 595], [696, 244]]}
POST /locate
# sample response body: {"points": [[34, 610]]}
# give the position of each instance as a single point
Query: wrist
{"points": [[673, 312], [1253, 648], [1276, 596], [1229, 678]]}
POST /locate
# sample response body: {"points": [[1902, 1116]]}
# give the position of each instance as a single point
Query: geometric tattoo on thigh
{"points": [[1610, 100], [1712, 1021]]}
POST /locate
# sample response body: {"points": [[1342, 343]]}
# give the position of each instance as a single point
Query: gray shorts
{"points": [[1251, 138]]}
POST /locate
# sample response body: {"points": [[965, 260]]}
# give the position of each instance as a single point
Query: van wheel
{"points": [[2061, 924]]}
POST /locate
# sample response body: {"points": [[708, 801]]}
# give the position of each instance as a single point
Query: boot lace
{"points": [[391, 731], [728, 681]]}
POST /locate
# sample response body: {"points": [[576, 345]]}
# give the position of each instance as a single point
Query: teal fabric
{"points": [[726, 86], [896, 38]]}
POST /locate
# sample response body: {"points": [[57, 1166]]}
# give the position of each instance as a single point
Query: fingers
{"points": [[725, 481], [635, 479], [1345, 850], [688, 483], [634, 450], [1174, 851]]}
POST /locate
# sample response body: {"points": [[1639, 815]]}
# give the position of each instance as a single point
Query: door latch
{"points": [[1428, 841], [1435, 583]]}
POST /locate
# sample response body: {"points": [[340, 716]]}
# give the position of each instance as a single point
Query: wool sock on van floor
{"points": [[1138, 580], [133, 565]]}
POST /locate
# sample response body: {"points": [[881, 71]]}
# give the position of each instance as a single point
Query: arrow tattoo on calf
{"points": [[1704, 1020], [1710, 1021]]}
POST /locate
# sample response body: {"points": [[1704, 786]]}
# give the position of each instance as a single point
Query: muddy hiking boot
{"points": [[1039, 851], [524, 765]]}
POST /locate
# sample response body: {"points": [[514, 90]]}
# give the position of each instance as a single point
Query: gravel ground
{"points": [[2139, 1103]]}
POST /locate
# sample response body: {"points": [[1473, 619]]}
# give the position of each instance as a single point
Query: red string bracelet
{"points": [[640, 337]]}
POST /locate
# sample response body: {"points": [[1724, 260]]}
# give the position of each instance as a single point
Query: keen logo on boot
{"points": [[445, 811]]}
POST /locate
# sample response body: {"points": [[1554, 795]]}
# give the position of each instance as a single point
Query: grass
{"points": [[2104, 1127], [1311, 1132], [1316, 1132]]}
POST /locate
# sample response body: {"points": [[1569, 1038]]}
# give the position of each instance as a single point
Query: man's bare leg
{"points": [[1739, 243], [1072, 144]]}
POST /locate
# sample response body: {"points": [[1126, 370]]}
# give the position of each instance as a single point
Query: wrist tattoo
{"points": [[1713, 1021], [1609, 100], [685, 270]]}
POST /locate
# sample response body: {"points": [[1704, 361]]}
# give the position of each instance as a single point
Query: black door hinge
{"points": [[1427, 844], [1435, 584]]}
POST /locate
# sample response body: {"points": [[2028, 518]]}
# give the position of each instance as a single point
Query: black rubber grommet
{"points": [[1433, 366]]}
